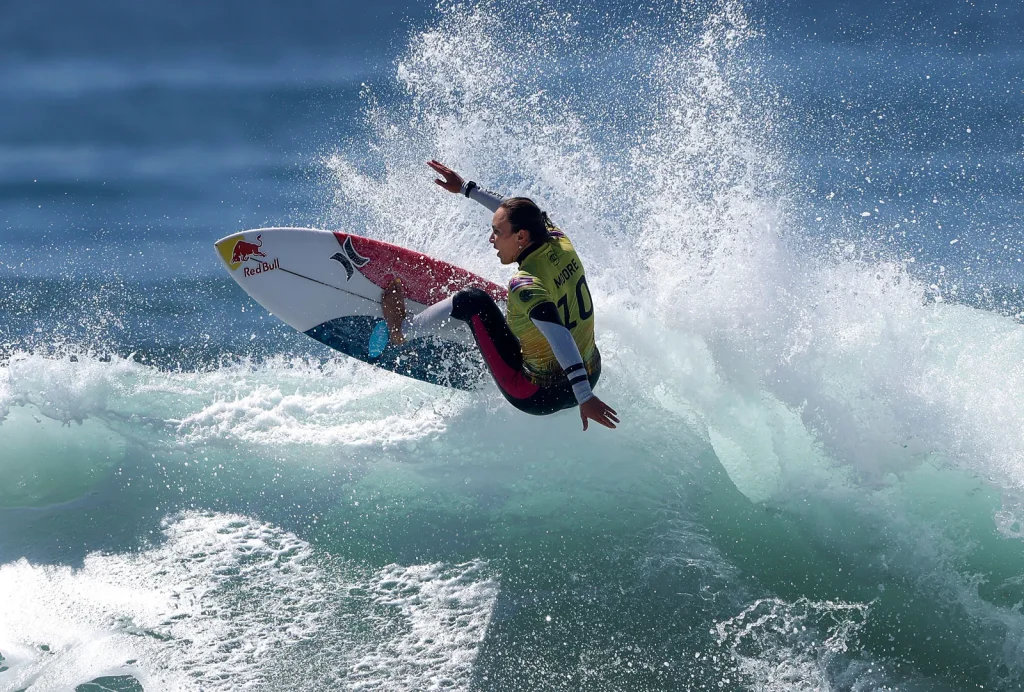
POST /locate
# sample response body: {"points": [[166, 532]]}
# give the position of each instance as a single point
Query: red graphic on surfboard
{"points": [[236, 251], [426, 280], [243, 250]]}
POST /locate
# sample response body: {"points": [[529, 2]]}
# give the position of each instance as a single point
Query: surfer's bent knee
{"points": [[471, 301]]}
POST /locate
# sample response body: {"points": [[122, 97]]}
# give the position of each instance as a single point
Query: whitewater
{"points": [[818, 482]]}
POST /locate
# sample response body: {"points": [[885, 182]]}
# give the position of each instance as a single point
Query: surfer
{"points": [[543, 356]]}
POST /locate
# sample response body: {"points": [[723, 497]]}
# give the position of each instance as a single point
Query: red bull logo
{"points": [[243, 250], [236, 251]]}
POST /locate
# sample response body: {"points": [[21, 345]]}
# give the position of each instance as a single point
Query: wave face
{"points": [[816, 484]]}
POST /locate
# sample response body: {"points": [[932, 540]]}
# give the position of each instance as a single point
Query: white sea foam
{"points": [[447, 610], [68, 389], [798, 647], [278, 402], [227, 602]]}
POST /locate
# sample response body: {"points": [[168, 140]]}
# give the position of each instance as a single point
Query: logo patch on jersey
{"points": [[553, 258], [525, 296], [519, 282]]}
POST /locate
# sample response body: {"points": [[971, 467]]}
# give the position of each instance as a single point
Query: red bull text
{"points": [[261, 267]]}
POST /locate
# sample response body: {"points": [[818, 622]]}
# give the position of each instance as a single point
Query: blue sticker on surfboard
{"points": [[379, 339]]}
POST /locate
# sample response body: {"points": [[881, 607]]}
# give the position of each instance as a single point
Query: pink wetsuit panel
{"points": [[511, 380]]}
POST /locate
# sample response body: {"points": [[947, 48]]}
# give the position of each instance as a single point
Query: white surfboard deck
{"points": [[328, 285]]}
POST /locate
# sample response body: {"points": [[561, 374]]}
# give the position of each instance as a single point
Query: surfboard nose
{"points": [[226, 249]]}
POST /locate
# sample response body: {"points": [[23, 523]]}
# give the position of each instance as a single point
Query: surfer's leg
{"points": [[498, 345], [549, 400], [429, 318]]}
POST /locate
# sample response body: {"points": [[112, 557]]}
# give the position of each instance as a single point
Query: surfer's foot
{"points": [[393, 302]]}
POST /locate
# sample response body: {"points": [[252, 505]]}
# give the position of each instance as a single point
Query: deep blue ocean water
{"points": [[803, 224]]}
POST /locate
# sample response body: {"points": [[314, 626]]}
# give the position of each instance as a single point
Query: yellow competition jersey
{"points": [[551, 272]]}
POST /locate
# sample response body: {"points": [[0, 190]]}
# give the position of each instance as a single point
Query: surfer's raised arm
{"points": [[453, 182]]}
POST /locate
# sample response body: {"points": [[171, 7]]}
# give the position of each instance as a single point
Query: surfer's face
{"points": [[508, 243]]}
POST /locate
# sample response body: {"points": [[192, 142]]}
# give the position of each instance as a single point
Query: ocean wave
{"points": [[815, 433]]}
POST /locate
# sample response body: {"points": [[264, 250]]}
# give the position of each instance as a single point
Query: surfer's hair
{"points": [[525, 215]]}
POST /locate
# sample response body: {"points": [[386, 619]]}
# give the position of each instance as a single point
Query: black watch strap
{"points": [[470, 186]]}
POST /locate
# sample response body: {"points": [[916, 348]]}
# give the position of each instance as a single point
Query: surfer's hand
{"points": [[452, 181], [596, 410], [393, 304]]}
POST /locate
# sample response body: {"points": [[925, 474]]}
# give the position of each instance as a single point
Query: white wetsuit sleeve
{"points": [[567, 353], [491, 200], [428, 319]]}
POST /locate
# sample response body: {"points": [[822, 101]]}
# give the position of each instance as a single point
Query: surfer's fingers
{"points": [[608, 417]]}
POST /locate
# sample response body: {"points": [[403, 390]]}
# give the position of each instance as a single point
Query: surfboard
{"points": [[328, 285]]}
